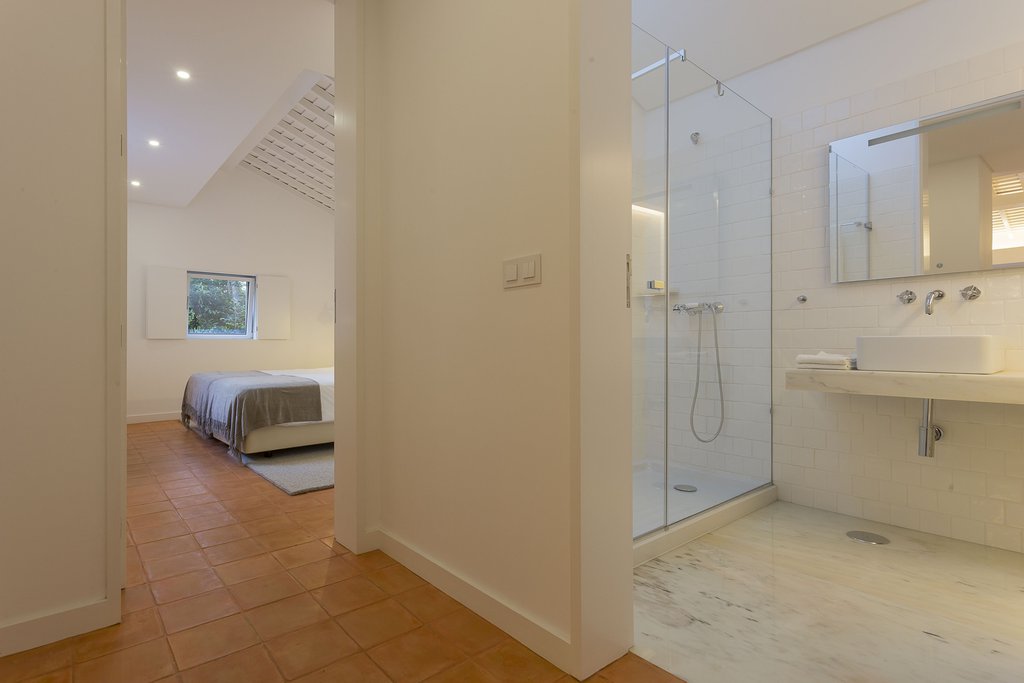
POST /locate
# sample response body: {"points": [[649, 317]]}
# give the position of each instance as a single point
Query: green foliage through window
{"points": [[219, 305]]}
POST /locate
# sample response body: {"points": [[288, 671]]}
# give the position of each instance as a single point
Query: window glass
{"points": [[220, 305]]}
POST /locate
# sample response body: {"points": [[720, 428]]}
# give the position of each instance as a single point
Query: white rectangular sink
{"points": [[976, 354]]}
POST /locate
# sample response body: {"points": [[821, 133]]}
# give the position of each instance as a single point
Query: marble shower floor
{"points": [[783, 596], [713, 488]]}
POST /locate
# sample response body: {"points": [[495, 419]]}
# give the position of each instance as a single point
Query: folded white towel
{"points": [[825, 366], [822, 358], [826, 361]]}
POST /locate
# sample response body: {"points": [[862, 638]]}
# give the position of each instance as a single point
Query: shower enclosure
{"points": [[700, 290]]}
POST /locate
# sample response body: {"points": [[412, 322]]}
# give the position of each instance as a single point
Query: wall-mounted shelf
{"points": [[1001, 387], [650, 293]]}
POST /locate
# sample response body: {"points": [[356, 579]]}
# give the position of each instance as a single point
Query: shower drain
{"points": [[867, 537], [685, 488]]}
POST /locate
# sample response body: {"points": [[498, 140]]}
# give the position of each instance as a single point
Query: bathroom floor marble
{"points": [[783, 595]]}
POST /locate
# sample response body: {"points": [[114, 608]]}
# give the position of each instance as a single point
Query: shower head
{"points": [[695, 137]]}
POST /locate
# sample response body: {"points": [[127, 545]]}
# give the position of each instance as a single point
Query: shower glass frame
{"points": [[659, 70]]}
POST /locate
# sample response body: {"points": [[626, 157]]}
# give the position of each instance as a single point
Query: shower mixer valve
{"points": [[699, 307]]}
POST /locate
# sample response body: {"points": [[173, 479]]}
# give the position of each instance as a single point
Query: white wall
{"points": [[857, 454], [503, 456], [240, 224], [61, 399]]}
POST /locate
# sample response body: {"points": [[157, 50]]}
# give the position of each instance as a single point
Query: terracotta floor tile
{"points": [[153, 519], [207, 642], [135, 628], [149, 509], [468, 632], [265, 589], [175, 476], [375, 559], [192, 497], [285, 616], [415, 656], [633, 669], [135, 598], [249, 514], [310, 648], [427, 603], [358, 667], [373, 624], [284, 539], [512, 662], [37, 661], [172, 566], [298, 555], [168, 547], [235, 550], [244, 503], [60, 676], [139, 664], [252, 665], [203, 510], [248, 568], [269, 525], [134, 574], [219, 535], [466, 672], [143, 497], [148, 534], [210, 521], [345, 596], [196, 610], [317, 574], [394, 579], [185, 585]]}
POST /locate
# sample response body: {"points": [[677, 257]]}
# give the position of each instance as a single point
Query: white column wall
{"points": [[61, 270]]}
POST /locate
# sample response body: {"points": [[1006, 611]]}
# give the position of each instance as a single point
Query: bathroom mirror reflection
{"points": [[943, 194]]}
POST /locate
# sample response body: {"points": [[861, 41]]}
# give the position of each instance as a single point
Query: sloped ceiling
{"points": [[242, 55], [297, 152]]}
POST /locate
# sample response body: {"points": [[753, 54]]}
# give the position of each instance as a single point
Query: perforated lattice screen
{"points": [[298, 152]]}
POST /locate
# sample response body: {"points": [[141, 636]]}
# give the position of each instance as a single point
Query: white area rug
{"points": [[296, 470]]}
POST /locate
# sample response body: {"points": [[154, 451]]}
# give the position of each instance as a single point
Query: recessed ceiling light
{"points": [[154, 143], [183, 75], [135, 183]]}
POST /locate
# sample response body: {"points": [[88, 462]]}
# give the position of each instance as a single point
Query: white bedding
{"points": [[322, 376]]}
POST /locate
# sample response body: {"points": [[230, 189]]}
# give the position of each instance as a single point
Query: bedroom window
{"points": [[221, 305]]}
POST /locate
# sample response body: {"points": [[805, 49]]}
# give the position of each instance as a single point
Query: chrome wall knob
{"points": [[906, 297]]}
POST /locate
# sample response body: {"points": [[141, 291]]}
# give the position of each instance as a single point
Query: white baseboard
{"points": [[659, 543], [32, 633], [530, 631], [153, 417]]}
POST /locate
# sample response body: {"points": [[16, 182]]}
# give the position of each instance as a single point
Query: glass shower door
{"points": [[649, 293], [719, 333], [701, 290]]}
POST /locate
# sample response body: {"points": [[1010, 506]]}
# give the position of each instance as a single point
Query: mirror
{"points": [[936, 195]]}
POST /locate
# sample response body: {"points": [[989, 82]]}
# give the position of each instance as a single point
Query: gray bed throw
{"points": [[230, 405]]}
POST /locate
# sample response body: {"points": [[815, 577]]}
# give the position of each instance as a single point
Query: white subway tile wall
{"points": [[857, 455]]}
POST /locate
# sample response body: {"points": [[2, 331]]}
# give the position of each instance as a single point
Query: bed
{"points": [[261, 410]]}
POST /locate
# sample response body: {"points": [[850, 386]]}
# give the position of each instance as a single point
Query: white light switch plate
{"points": [[526, 270]]}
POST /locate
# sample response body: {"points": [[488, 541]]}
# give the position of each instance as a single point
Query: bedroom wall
{"points": [[240, 224], [61, 404], [498, 420]]}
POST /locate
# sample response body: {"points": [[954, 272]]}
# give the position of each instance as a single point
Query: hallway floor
{"points": [[783, 595], [229, 579]]}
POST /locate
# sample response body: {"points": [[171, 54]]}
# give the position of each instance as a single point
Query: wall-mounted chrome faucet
{"points": [[932, 297]]}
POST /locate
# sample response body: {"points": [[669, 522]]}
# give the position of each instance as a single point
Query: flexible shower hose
{"points": [[696, 384]]}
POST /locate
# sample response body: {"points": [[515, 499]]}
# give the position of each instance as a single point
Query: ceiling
{"points": [[244, 56], [730, 37]]}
